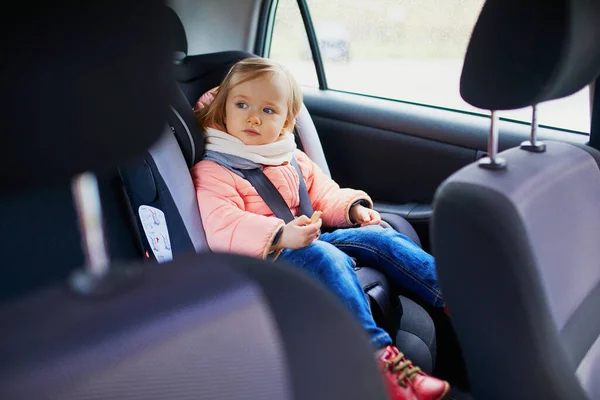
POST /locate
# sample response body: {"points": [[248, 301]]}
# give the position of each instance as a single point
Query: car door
{"points": [[381, 81]]}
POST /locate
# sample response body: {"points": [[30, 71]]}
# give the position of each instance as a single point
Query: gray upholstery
{"points": [[417, 334], [523, 243], [311, 144], [173, 168], [589, 371], [208, 326]]}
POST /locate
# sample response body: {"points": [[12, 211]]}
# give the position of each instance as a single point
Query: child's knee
{"points": [[393, 235], [375, 233], [330, 256], [374, 228]]}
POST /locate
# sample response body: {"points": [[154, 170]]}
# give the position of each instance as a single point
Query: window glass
{"points": [[289, 43], [572, 112], [408, 50]]}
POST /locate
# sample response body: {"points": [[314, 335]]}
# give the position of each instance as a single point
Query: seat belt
{"points": [[305, 204], [271, 196]]}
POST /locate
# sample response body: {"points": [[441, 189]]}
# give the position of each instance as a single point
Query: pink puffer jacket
{"points": [[237, 220]]}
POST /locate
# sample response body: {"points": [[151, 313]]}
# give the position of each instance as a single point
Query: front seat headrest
{"points": [[85, 86], [177, 33], [523, 52]]}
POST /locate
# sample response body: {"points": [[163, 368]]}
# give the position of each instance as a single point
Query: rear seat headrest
{"points": [[209, 68], [523, 52], [177, 34], [199, 73], [196, 75], [85, 86]]}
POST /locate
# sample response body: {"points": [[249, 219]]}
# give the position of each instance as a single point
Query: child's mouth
{"points": [[251, 132]]}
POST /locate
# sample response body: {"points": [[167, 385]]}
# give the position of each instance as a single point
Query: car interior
{"points": [[109, 289]]}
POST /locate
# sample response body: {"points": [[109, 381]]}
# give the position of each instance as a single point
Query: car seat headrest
{"points": [[523, 52], [85, 86], [199, 73], [196, 75], [177, 35]]}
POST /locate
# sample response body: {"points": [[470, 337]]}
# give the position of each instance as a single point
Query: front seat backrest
{"points": [[516, 248], [211, 326]]}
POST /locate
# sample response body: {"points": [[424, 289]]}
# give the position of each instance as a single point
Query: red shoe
{"points": [[404, 381]]}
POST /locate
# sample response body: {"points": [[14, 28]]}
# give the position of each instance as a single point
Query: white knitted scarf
{"points": [[275, 153]]}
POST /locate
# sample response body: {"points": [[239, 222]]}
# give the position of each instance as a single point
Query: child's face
{"points": [[256, 110]]}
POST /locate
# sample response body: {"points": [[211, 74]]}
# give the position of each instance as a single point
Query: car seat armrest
{"points": [[410, 211]]}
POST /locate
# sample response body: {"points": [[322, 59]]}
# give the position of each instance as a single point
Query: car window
{"points": [[289, 43], [410, 50]]}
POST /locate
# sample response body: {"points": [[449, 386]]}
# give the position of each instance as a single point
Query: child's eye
{"points": [[241, 105], [269, 110]]}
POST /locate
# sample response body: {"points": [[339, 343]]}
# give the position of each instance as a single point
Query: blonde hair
{"points": [[246, 70]]}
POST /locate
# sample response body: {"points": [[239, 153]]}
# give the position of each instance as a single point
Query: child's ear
{"points": [[289, 125]]}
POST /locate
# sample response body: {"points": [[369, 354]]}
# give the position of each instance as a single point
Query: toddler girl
{"points": [[248, 123]]}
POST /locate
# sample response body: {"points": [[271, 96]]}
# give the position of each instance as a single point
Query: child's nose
{"points": [[254, 120]]}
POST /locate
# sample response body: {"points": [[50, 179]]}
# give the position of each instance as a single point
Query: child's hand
{"points": [[364, 216], [299, 233]]}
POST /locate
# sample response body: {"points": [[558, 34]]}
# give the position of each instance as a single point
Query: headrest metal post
{"points": [[492, 161], [89, 210], [533, 144], [97, 277]]}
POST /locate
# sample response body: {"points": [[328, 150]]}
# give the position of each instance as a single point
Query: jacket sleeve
{"points": [[327, 196], [228, 226]]}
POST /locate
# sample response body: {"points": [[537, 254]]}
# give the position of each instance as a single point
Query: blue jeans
{"points": [[328, 260]]}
